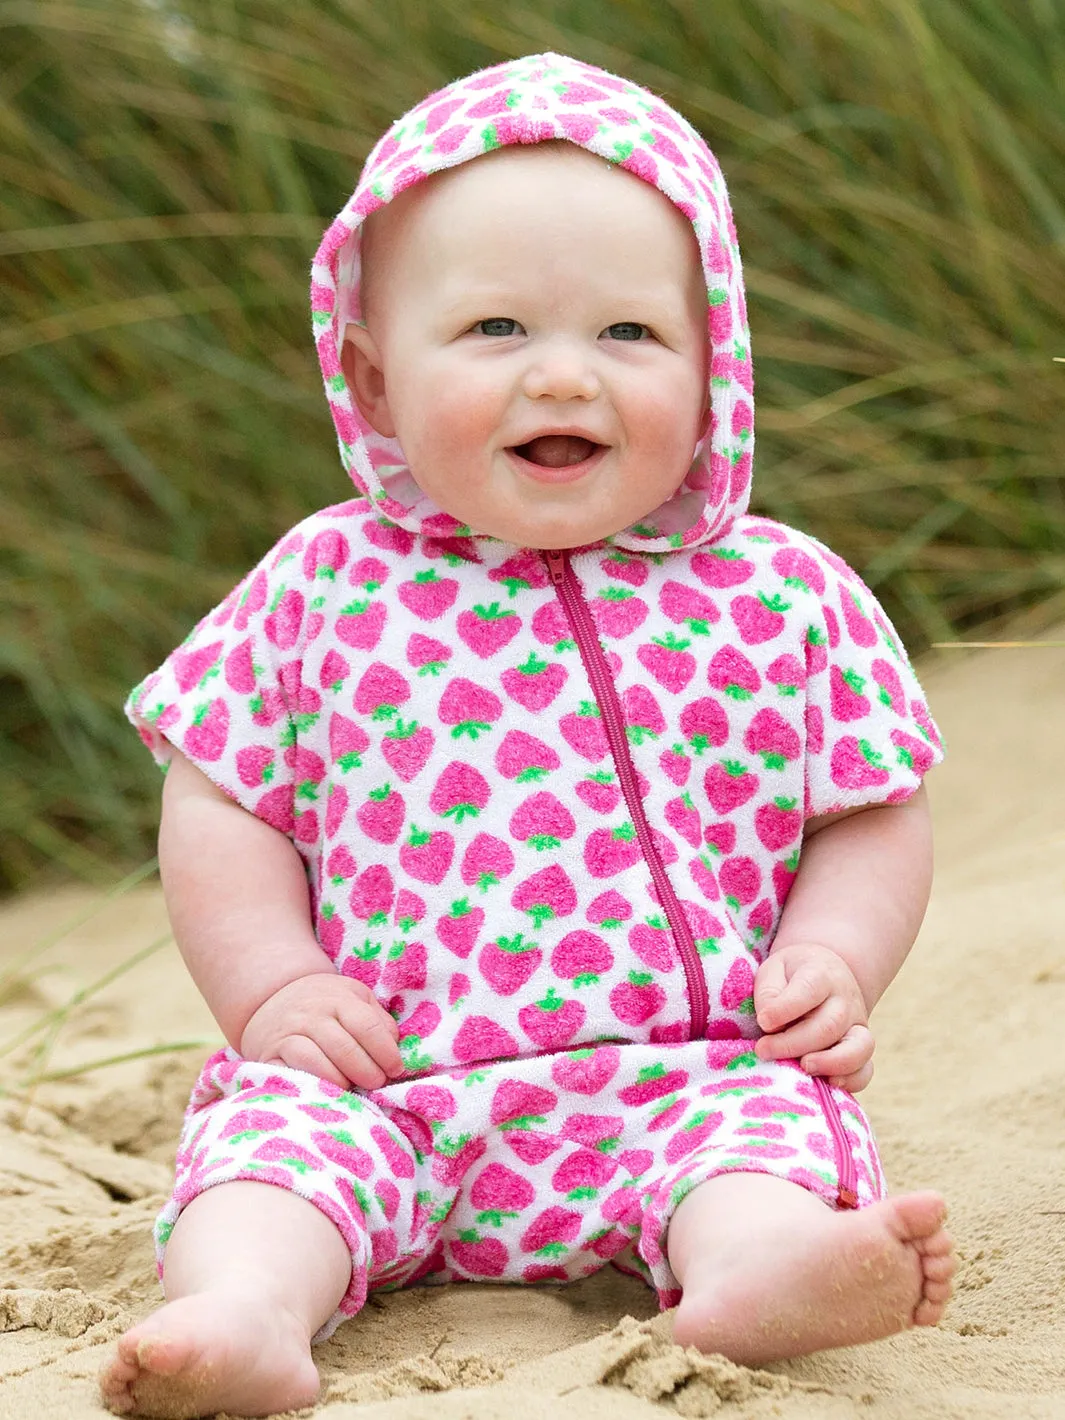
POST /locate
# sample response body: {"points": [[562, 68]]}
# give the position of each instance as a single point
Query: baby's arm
{"points": [[849, 922], [238, 901]]}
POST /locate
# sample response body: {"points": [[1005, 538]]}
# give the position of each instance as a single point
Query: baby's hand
{"points": [[810, 1006], [329, 1025]]}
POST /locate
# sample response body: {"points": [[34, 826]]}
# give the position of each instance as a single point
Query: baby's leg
{"points": [[770, 1271], [251, 1273]]}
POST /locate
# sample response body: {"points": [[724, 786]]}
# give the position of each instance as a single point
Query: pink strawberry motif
{"points": [[546, 895], [760, 919], [255, 765], [449, 1169], [846, 698], [541, 822], [783, 876], [486, 862], [409, 910], [583, 731], [759, 618], [911, 752], [427, 855], [347, 742], [521, 572], [857, 765], [420, 1024], [740, 880], [799, 570], [770, 735], [363, 962], [599, 791], [729, 785], [524, 758], [653, 1082], [481, 1038], [609, 909], [611, 850], [326, 554], [460, 792], [241, 671], [405, 967], [469, 708], [722, 568], [518, 1104], [643, 717], [582, 1174], [372, 895], [458, 989], [624, 568], [861, 629], [206, 737], [731, 672], [668, 659], [334, 671], [551, 628], [487, 629], [652, 942], [406, 747], [778, 824], [890, 691], [427, 655], [369, 573], [477, 1256], [508, 963], [535, 683], [636, 1000], [617, 611], [330, 932], [551, 1023], [276, 808], [720, 838], [692, 1135], [388, 536], [550, 1231], [340, 865], [788, 674], [427, 595], [737, 990], [335, 809], [815, 729], [675, 765], [704, 723], [380, 691], [580, 957], [586, 1072], [458, 930], [683, 816], [381, 816], [498, 1193], [191, 668], [361, 623], [684, 603], [816, 650]]}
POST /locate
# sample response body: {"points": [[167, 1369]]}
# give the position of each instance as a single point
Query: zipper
{"points": [[571, 595], [847, 1195]]}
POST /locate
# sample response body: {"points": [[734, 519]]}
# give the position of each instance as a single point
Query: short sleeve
{"points": [[869, 736], [232, 696]]}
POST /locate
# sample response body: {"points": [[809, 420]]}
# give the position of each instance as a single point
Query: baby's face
{"points": [[535, 337]]}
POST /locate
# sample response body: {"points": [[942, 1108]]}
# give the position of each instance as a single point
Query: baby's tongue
{"points": [[557, 450]]}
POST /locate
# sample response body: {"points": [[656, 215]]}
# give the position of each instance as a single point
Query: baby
{"points": [[540, 828]]}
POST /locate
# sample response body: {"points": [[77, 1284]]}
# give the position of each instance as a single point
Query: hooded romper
{"points": [[550, 805]]}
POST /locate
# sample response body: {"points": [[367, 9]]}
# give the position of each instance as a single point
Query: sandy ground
{"points": [[967, 1098]]}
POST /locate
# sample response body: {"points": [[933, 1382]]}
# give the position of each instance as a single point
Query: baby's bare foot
{"points": [[848, 1278], [211, 1351]]}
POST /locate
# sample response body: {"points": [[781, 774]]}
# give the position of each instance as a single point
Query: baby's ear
{"points": [[363, 369]]}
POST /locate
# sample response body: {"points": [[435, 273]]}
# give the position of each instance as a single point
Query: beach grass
{"points": [[166, 166]]}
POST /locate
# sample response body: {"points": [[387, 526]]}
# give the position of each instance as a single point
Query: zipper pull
{"points": [[556, 564]]}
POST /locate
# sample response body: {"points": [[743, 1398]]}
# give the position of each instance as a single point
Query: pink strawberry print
{"points": [[668, 660], [737, 990], [240, 670], [675, 765], [551, 1230], [369, 573], [535, 683], [622, 568], [911, 752], [787, 673], [890, 691], [704, 724], [861, 630], [405, 967], [636, 1000], [521, 572], [460, 792], [611, 850], [599, 791], [693, 1134], [327, 552], [857, 765], [427, 855], [720, 838], [643, 716], [372, 895], [653, 1082], [481, 1038], [551, 628], [551, 1023], [542, 822], [508, 963], [486, 862], [487, 629], [478, 1256], [617, 611], [682, 816], [206, 737], [586, 1072], [381, 816], [361, 623], [192, 668], [427, 595], [759, 618], [783, 876], [652, 942], [581, 957], [740, 879], [459, 928], [380, 691], [459, 988], [524, 758], [846, 697], [347, 742], [582, 1174], [731, 672], [340, 865], [546, 895], [416, 1028], [406, 747], [770, 736], [729, 785], [583, 731], [778, 824], [684, 603], [722, 568], [799, 570], [609, 909], [255, 765], [469, 708], [334, 671], [498, 1193], [427, 655], [330, 930]]}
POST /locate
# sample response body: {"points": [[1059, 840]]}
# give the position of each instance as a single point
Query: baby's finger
{"points": [[299, 1052], [821, 1029], [377, 1034], [780, 1002], [845, 1058], [346, 1051], [855, 1082]]}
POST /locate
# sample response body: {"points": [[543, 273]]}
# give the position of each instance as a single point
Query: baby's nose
{"points": [[561, 371]]}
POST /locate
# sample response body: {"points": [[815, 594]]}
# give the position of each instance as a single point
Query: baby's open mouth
{"points": [[557, 450]]}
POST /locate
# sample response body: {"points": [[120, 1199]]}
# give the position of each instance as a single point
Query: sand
{"points": [[967, 1098]]}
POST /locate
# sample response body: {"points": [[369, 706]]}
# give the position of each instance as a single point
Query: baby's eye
{"points": [[497, 325], [627, 330]]}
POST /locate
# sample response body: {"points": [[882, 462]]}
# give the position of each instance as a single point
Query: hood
{"points": [[532, 100]]}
